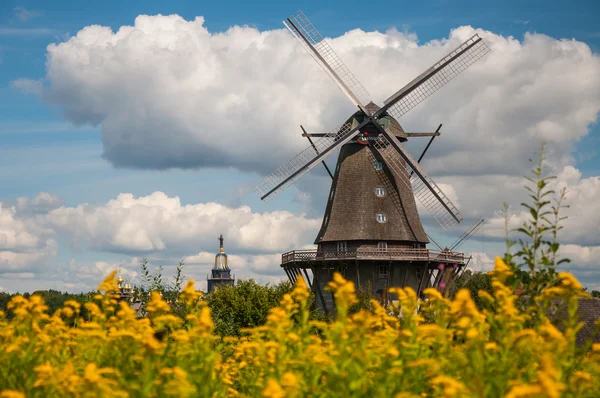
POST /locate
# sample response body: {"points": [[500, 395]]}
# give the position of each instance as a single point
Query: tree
{"points": [[246, 304], [474, 281]]}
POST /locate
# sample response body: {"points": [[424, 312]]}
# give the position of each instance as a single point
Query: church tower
{"points": [[220, 273]]}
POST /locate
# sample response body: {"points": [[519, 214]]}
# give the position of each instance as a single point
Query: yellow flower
{"points": [[289, 381], [430, 330], [157, 305], [343, 291], [11, 394], [110, 283], [300, 292], [549, 377], [393, 352], [431, 365], [579, 378], [273, 390], [472, 333], [177, 383], [190, 295], [524, 391], [501, 270], [433, 294], [464, 305], [464, 322], [206, 321], [491, 346], [569, 281], [449, 387]]}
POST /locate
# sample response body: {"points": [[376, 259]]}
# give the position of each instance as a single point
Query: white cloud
{"points": [[15, 234], [28, 86], [236, 98], [581, 256], [156, 225], [26, 32], [583, 213], [264, 264], [158, 222], [42, 203], [24, 15], [24, 243], [16, 261], [481, 262]]}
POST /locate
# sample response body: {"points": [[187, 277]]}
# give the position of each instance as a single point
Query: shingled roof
{"points": [[352, 208], [588, 312]]}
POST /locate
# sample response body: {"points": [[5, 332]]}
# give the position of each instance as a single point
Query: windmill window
{"points": [[382, 246], [380, 192], [383, 271], [378, 166], [342, 246], [381, 218]]}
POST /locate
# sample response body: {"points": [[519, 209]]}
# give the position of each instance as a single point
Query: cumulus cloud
{"points": [[169, 93], [265, 264], [156, 226], [582, 257], [583, 212], [42, 203], [481, 262], [25, 244], [158, 222]]}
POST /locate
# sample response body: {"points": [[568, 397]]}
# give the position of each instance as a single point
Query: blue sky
{"points": [[41, 151]]}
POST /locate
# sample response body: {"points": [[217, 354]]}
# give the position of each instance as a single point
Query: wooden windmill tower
{"points": [[371, 230]]}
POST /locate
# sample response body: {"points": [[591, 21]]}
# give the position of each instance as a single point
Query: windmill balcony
{"points": [[407, 254]]}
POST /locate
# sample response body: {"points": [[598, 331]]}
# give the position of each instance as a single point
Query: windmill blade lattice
{"points": [[472, 230], [435, 77], [287, 174], [300, 26], [425, 190]]}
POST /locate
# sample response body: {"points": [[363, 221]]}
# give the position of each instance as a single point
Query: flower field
{"points": [[448, 348]]}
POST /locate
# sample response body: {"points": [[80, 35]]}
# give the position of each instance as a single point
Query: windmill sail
{"points": [[322, 52], [425, 190], [467, 234], [288, 173], [435, 77]]}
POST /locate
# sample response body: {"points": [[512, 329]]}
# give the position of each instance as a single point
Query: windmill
{"points": [[371, 230]]}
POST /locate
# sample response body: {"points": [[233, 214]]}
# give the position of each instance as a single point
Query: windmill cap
{"points": [[389, 122]]}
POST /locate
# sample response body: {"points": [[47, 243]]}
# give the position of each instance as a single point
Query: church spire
{"points": [[221, 250], [220, 274], [221, 257]]}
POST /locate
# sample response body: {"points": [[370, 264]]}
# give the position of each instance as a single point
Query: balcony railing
{"points": [[408, 254]]}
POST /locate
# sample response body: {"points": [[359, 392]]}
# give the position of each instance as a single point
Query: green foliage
{"points": [[53, 299], [244, 305], [156, 281], [474, 281], [534, 263], [363, 301]]}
